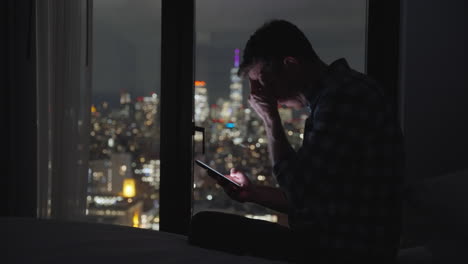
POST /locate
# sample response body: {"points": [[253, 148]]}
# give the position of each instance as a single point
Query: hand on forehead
{"points": [[255, 73], [255, 86]]}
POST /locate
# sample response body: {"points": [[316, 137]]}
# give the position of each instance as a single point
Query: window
{"points": [[86, 173], [234, 134], [124, 162]]}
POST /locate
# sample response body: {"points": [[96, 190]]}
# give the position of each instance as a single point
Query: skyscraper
{"points": [[125, 104], [107, 175], [236, 86], [202, 109]]}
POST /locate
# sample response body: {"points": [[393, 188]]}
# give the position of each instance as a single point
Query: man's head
{"points": [[279, 56]]}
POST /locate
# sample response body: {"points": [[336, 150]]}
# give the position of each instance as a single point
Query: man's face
{"points": [[284, 85]]}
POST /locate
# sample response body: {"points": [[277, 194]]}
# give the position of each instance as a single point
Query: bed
{"points": [[48, 241], [438, 207]]}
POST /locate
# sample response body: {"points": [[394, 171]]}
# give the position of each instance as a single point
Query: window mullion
{"points": [[176, 115]]}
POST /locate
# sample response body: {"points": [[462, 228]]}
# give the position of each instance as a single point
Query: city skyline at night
{"points": [[125, 145]]}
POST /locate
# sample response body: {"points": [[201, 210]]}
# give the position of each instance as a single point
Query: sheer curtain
{"points": [[64, 90]]}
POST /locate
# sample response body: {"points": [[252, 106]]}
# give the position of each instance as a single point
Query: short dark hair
{"points": [[272, 42]]}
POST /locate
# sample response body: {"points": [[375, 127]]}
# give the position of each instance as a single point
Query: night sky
{"points": [[127, 39]]}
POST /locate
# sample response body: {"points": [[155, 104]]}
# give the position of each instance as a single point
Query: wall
{"points": [[434, 97], [434, 83], [19, 108]]}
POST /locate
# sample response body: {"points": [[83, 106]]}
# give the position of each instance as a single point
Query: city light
{"points": [[230, 125], [236, 58], [147, 170], [200, 83], [129, 188], [106, 200], [136, 219]]}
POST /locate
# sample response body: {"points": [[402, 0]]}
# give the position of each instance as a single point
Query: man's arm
{"points": [[278, 145], [270, 197], [265, 105]]}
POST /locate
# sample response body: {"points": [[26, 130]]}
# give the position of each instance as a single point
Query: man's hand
{"points": [[262, 101], [242, 194], [266, 196]]}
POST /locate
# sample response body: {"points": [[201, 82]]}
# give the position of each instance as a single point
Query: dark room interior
{"points": [[107, 104]]}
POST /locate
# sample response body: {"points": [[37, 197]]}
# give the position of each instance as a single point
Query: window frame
{"points": [[382, 33], [177, 59], [177, 77], [383, 48]]}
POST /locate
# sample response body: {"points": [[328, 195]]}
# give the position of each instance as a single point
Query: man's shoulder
{"points": [[352, 88], [358, 98]]}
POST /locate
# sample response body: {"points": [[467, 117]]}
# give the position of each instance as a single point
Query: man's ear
{"points": [[287, 61]]}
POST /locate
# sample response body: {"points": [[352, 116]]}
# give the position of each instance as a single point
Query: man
{"points": [[341, 189]]}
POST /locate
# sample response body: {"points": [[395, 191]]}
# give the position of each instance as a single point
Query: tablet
{"points": [[203, 165]]}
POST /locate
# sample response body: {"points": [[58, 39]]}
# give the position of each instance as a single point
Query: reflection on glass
{"points": [[124, 167], [235, 134]]}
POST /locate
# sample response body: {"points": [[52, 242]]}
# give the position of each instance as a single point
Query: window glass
{"points": [[235, 136], [124, 166]]}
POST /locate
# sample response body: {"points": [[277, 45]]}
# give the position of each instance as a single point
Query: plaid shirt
{"points": [[343, 184]]}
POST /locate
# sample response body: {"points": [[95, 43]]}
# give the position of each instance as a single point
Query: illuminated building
{"points": [[125, 98], [107, 176], [226, 111], [236, 86], [114, 210], [146, 110], [100, 175], [201, 102], [125, 104], [151, 173], [144, 131]]}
